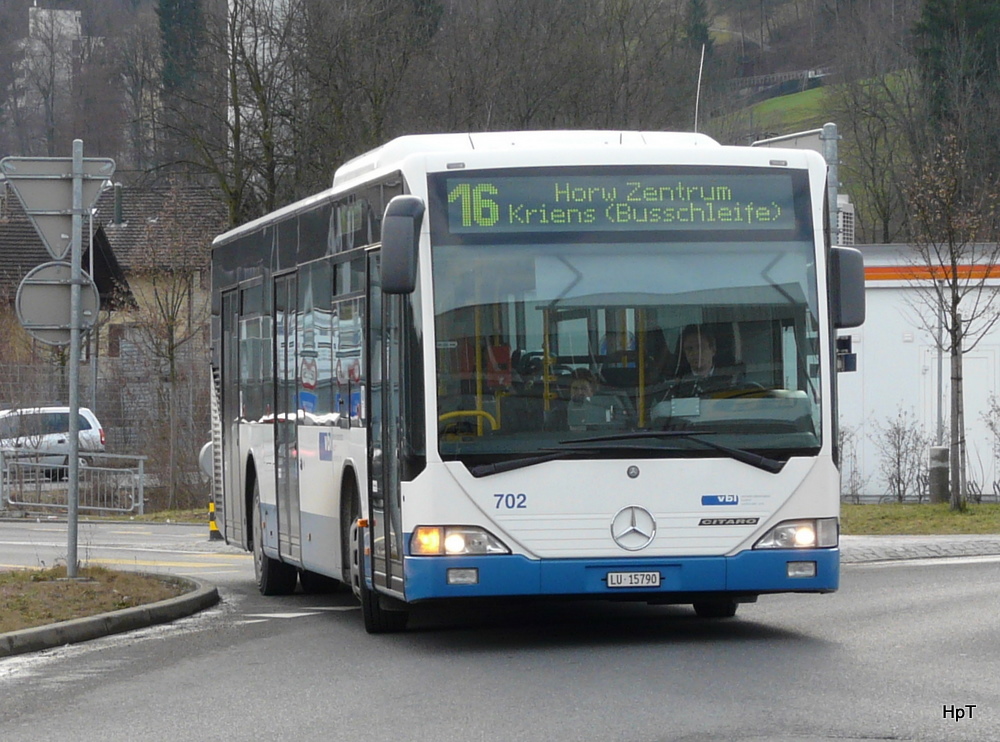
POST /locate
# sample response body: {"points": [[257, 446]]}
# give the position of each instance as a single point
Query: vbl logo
{"points": [[720, 499], [325, 447]]}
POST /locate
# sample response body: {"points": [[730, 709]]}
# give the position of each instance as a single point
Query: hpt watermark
{"points": [[958, 713]]}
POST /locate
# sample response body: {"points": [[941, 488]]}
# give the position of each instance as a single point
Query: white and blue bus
{"points": [[570, 364]]}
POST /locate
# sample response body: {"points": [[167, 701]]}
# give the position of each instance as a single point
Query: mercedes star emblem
{"points": [[633, 528]]}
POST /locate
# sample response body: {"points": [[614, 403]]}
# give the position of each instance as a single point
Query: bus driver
{"points": [[698, 372], [698, 347]]}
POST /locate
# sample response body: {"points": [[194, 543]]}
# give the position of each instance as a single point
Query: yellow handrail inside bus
{"points": [[471, 413]]}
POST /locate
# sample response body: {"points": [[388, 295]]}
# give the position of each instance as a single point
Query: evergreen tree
{"points": [[180, 31], [428, 14], [958, 50], [697, 26]]}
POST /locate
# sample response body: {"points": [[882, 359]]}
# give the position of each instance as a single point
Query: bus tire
{"points": [[273, 577], [715, 608], [377, 619]]}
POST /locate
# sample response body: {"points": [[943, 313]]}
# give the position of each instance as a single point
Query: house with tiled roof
{"points": [[158, 235], [133, 217]]}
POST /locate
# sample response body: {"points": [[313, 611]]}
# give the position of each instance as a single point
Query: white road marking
{"points": [[265, 616]]}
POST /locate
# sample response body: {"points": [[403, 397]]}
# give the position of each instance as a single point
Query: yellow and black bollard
{"points": [[213, 529]]}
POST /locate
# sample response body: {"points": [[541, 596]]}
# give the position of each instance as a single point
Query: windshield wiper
{"points": [[549, 454], [738, 454], [576, 446], [498, 467]]}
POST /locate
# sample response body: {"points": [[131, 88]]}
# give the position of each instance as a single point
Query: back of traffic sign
{"points": [[43, 302], [44, 185]]}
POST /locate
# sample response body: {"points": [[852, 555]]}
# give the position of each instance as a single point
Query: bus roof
{"points": [[392, 156], [405, 146]]}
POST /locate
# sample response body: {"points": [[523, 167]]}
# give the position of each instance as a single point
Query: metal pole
{"points": [[830, 140], [76, 279], [92, 337], [697, 95]]}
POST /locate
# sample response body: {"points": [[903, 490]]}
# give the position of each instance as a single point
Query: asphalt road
{"points": [[147, 547], [904, 651]]}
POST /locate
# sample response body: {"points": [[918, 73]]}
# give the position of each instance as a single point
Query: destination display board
{"points": [[580, 201]]}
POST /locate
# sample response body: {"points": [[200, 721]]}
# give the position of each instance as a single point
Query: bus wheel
{"points": [[273, 577], [377, 619], [715, 608]]}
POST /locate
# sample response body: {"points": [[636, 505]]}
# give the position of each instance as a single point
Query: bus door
{"points": [[385, 368], [286, 454], [231, 414]]}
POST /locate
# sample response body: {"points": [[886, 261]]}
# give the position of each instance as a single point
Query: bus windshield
{"points": [[571, 306]]}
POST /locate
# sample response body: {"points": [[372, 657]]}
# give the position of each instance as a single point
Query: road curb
{"points": [[869, 549], [200, 596]]}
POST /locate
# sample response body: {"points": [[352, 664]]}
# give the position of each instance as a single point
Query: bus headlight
{"points": [[801, 534], [454, 540]]}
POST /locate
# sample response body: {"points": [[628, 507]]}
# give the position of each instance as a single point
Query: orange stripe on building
{"points": [[928, 273]]}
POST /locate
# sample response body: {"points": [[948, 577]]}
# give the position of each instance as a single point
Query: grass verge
{"points": [[191, 515], [30, 598], [917, 519]]}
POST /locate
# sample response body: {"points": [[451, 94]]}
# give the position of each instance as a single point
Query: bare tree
{"points": [[288, 89], [172, 309], [138, 62], [48, 68], [991, 416], [956, 250], [874, 104], [96, 97], [355, 61], [261, 53], [13, 29], [852, 482], [902, 444], [518, 64]]}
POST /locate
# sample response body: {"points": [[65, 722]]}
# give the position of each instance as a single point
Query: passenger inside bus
{"points": [[582, 387], [589, 407], [523, 410]]}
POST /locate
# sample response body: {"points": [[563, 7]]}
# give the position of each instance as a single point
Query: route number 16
{"points": [[477, 209]]}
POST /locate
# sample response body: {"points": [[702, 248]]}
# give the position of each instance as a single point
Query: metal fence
{"points": [[112, 483], [974, 496]]}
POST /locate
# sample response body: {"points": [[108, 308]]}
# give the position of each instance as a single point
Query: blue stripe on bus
{"points": [[747, 572]]}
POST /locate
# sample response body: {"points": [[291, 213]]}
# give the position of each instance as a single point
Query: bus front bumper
{"points": [[747, 573]]}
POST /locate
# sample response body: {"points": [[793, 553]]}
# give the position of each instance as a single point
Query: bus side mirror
{"points": [[847, 287], [400, 241]]}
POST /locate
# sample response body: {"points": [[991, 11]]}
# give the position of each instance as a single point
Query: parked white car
{"points": [[42, 434]]}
